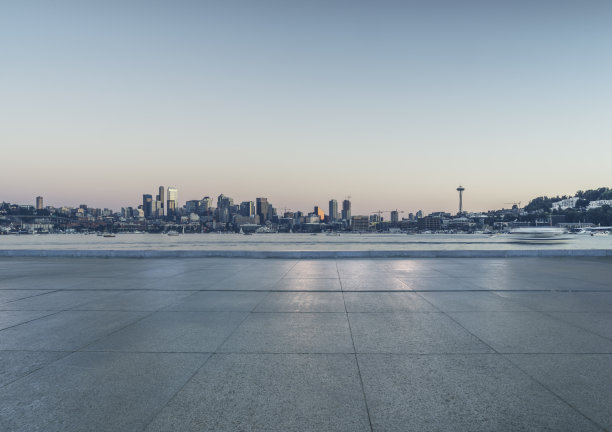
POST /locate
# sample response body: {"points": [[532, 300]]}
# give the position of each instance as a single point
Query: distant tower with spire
{"points": [[460, 189]]}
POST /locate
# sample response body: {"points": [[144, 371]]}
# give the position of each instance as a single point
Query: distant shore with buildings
{"points": [[163, 213]]}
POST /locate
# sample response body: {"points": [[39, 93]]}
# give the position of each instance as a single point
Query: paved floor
{"points": [[298, 345]]}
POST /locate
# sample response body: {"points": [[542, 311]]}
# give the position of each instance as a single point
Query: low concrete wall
{"points": [[74, 253]]}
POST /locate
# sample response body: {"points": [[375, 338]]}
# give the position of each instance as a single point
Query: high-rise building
{"points": [[346, 211], [247, 208], [39, 203], [333, 210], [172, 202], [160, 200], [192, 206], [147, 205], [205, 205], [394, 217], [262, 208], [319, 212], [419, 214]]}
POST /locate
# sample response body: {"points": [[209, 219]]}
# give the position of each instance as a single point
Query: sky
{"points": [[394, 103]]}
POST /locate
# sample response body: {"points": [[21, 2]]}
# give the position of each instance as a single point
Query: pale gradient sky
{"points": [[393, 102]]}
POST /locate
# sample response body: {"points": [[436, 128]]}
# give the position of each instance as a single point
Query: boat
{"points": [[108, 235], [537, 235], [172, 233]]}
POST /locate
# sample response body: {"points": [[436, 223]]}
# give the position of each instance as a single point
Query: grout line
{"points": [[215, 352], [509, 361], [365, 399]]}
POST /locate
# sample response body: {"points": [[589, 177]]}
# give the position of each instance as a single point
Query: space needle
{"points": [[460, 189]]}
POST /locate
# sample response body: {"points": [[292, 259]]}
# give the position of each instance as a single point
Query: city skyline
{"points": [[324, 204], [393, 103]]}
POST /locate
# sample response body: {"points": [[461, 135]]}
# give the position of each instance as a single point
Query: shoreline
{"points": [[304, 254]]}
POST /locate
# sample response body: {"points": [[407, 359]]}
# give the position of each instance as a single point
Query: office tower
{"points": [[172, 202], [39, 203], [333, 210], [205, 205], [419, 214], [319, 212], [160, 199], [192, 206], [460, 189], [394, 217], [247, 208], [225, 206], [262, 208], [346, 211], [147, 205]]}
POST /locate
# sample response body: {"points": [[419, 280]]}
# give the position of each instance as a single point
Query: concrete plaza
{"points": [[216, 344]]}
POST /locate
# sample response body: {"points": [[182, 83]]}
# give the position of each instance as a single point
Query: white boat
{"points": [[537, 235], [173, 233]]}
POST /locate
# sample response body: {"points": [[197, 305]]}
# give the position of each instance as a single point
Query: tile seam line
{"points": [[520, 369], [365, 399], [509, 359], [28, 297], [215, 352], [548, 314]]}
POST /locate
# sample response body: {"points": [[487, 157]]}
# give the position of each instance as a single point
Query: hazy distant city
{"points": [[163, 213]]}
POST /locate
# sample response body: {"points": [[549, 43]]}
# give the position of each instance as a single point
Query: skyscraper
{"points": [[346, 211], [247, 208], [394, 217], [147, 205], [333, 210], [39, 203], [160, 200], [262, 209], [319, 212], [172, 202]]}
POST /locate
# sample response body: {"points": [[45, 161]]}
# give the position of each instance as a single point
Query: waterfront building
{"points": [[360, 223], [430, 223], [419, 214], [147, 205], [394, 217], [333, 210], [39, 203]]}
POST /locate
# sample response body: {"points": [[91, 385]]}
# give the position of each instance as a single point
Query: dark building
{"points": [[247, 208], [431, 223], [39, 203], [160, 200], [346, 211], [147, 205], [262, 209]]}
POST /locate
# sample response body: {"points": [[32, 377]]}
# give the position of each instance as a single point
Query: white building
{"points": [[598, 203], [565, 204]]}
